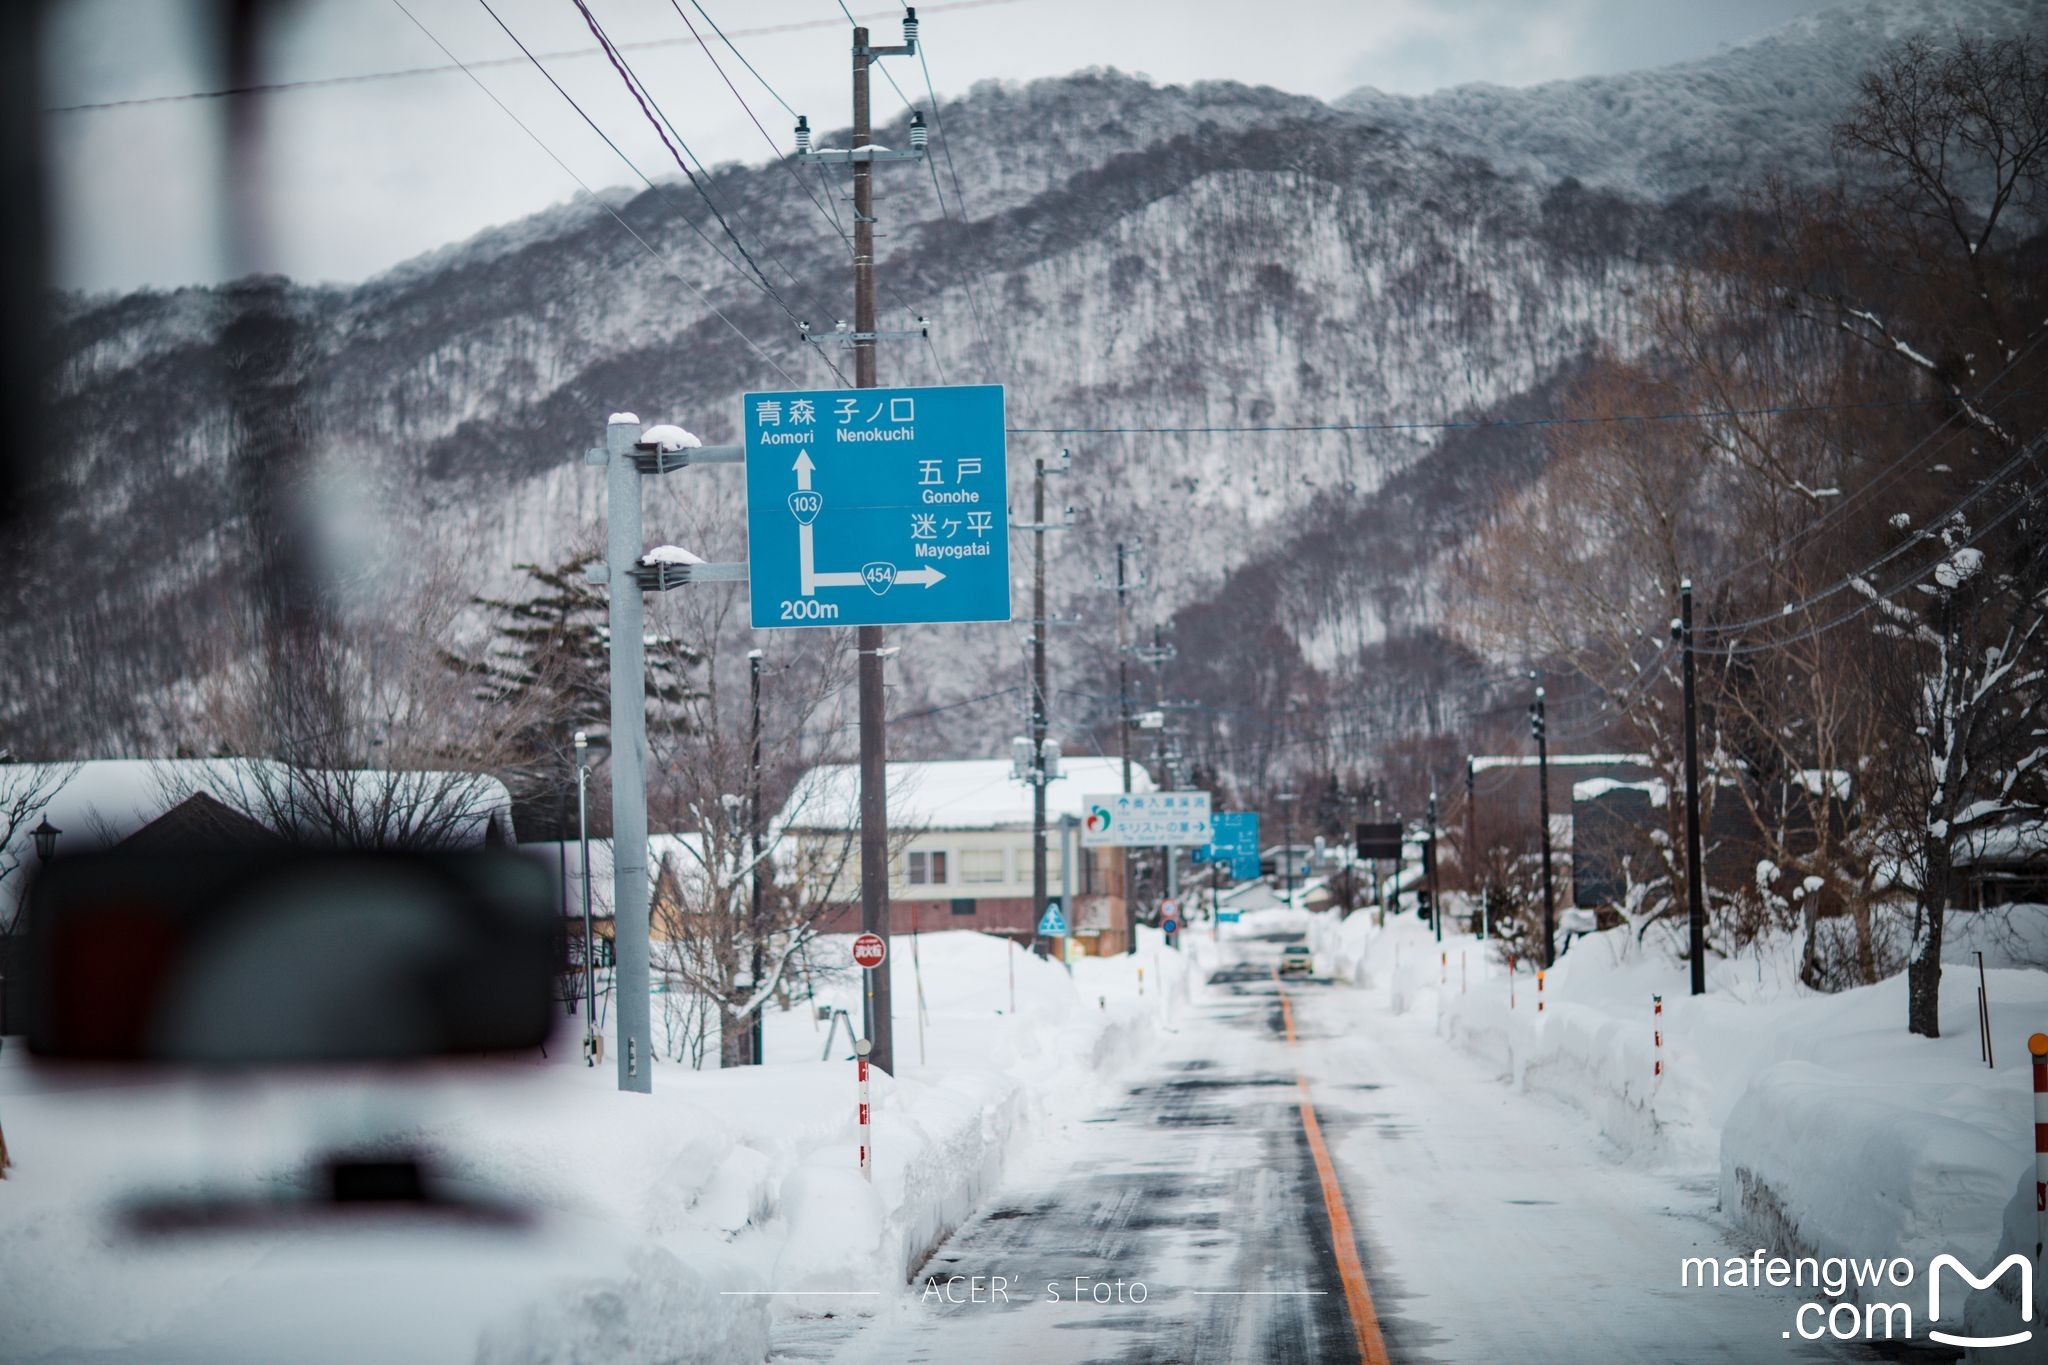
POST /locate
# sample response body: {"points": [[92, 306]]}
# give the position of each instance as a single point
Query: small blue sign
{"points": [[1228, 916], [1234, 839], [877, 507], [1052, 924]]}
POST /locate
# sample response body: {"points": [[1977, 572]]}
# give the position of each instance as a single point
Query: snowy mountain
{"points": [[1706, 126], [1120, 255]]}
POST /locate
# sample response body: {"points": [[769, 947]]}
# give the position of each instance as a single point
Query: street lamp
{"points": [[45, 836]]}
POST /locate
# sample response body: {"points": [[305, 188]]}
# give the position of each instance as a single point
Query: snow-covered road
{"points": [[1492, 1225]]}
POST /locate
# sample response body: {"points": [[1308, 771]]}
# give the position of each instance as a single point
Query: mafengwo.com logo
{"points": [[1854, 1296]]}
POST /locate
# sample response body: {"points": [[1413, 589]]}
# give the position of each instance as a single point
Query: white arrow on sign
{"points": [[810, 580]]}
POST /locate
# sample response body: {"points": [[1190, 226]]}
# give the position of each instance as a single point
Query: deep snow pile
{"points": [[1834, 1132], [668, 1226]]}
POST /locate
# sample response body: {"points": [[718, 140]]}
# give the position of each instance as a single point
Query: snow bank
{"points": [[662, 1226], [1833, 1131]]}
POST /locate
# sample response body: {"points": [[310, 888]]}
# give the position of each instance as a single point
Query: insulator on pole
{"points": [[918, 135], [803, 135], [910, 27]]}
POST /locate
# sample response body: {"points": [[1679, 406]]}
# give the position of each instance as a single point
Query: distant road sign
{"points": [[1228, 916], [1052, 924], [1147, 819], [1379, 841], [869, 950], [876, 507], [1234, 840]]}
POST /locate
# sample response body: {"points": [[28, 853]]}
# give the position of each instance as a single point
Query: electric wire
{"points": [[659, 259], [455, 64], [651, 109], [829, 214]]}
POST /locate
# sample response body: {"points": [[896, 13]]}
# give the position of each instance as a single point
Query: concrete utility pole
{"points": [[627, 619], [874, 797], [1695, 891], [1123, 694], [1286, 800], [1538, 730], [1470, 857]]}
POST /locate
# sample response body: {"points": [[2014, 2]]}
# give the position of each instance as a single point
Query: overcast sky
{"points": [[363, 175]]}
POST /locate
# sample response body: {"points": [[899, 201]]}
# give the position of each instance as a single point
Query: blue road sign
{"points": [[1228, 916], [1234, 839], [877, 507], [1052, 924]]}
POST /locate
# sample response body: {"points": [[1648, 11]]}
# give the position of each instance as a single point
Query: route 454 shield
{"points": [[877, 507]]}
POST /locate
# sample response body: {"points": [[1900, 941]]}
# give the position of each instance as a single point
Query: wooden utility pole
{"points": [[874, 797], [1695, 897]]}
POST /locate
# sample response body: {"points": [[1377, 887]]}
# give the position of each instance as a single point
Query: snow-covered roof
{"points": [[1593, 788], [974, 793]]}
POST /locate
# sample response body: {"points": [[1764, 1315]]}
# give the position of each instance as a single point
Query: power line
{"points": [[830, 215], [1850, 580], [1841, 505], [658, 117], [757, 279], [659, 259], [1875, 599], [455, 64]]}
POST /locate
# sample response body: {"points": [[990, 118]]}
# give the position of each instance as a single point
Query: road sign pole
{"points": [[629, 741]]}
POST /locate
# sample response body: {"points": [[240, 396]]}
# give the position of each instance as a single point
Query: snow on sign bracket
{"points": [[877, 507]]}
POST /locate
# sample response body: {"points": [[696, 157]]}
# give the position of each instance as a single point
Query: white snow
{"points": [[623, 419], [663, 1226], [666, 437], [1829, 1129], [670, 554]]}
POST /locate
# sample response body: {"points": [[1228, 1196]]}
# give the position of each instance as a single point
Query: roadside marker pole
{"points": [[867, 1151], [1657, 1011], [1443, 969], [1011, 958], [2038, 1046], [1511, 980], [1461, 971], [1539, 990]]}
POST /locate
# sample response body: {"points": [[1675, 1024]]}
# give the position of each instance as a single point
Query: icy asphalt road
{"points": [[1492, 1226]]}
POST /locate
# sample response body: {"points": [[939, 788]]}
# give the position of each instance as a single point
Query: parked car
{"points": [[1296, 957]]}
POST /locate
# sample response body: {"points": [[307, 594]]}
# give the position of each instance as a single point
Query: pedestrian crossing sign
{"points": [[1053, 924]]}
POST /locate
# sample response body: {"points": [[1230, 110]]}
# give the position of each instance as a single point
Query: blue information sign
{"points": [[877, 507], [1234, 839]]}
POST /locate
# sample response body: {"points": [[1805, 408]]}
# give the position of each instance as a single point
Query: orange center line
{"points": [[1372, 1347]]}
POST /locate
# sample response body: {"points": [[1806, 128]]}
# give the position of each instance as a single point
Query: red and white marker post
{"points": [[1511, 980], [2038, 1047], [1539, 991], [867, 1151], [1657, 1016]]}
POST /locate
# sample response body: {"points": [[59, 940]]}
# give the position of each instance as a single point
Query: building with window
{"points": [[960, 847]]}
